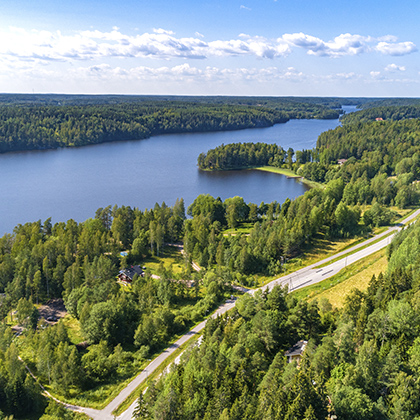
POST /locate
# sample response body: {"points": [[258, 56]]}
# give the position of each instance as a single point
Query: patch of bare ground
{"points": [[52, 311]]}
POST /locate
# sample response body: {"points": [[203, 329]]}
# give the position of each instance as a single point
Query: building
{"points": [[341, 161], [294, 354], [128, 274]]}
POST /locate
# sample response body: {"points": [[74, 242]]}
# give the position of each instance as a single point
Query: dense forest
{"points": [[360, 363], [28, 123], [239, 155], [44, 127], [393, 113], [287, 103], [379, 102]]}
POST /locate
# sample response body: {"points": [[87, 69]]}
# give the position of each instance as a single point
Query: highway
{"points": [[304, 277]]}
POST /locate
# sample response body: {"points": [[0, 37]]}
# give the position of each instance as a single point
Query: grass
{"points": [[355, 250], [337, 294], [242, 228], [356, 275], [319, 249], [402, 214], [154, 376], [170, 257], [73, 329], [97, 398], [290, 173]]}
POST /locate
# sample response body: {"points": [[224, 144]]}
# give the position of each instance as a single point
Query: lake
{"points": [[75, 182]]}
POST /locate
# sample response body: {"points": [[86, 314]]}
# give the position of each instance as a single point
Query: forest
{"points": [[43, 122], [287, 103], [393, 113], [364, 357]]}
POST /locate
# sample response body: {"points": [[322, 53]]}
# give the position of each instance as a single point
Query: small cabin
{"points": [[128, 274], [294, 354], [341, 161]]}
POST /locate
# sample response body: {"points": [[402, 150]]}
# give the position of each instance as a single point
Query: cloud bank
{"points": [[18, 44]]}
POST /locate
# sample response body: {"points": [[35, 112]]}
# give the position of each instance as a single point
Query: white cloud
{"points": [[394, 68], [375, 74], [349, 44], [344, 44], [245, 7], [345, 76], [399, 48], [164, 74], [192, 79], [44, 46], [163, 31], [95, 44]]}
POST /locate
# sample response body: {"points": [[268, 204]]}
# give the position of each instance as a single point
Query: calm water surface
{"points": [[74, 182]]}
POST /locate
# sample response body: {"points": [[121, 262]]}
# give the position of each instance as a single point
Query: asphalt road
{"points": [[301, 278]]}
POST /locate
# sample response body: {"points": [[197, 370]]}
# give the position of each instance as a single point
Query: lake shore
{"points": [[290, 174]]}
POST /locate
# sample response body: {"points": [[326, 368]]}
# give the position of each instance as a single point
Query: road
{"points": [[301, 278], [106, 413]]}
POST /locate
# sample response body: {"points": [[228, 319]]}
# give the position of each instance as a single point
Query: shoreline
{"points": [[290, 174], [280, 171]]}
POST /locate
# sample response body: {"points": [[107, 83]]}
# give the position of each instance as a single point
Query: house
{"points": [[379, 119], [128, 274], [294, 354], [341, 161]]}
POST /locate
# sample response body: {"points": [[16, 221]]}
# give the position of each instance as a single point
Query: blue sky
{"points": [[203, 47]]}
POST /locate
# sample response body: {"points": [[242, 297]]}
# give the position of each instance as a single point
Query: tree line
{"points": [[393, 113], [251, 155], [51, 121], [44, 127]]}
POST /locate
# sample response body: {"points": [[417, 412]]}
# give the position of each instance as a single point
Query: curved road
{"points": [[301, 278]]}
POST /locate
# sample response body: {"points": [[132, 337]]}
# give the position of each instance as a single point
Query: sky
{"points": [[211, 47]]}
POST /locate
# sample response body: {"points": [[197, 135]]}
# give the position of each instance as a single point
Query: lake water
{"points": [[74, 182]]}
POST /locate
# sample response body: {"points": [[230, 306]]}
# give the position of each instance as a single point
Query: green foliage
{"points": [[45, 127], [393, 113], [240, 155], [377, 215], [19, 394]]}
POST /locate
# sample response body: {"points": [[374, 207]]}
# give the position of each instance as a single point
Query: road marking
{"points": [[327, 272], [301, 284]]}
